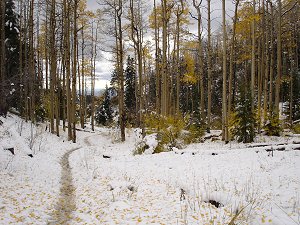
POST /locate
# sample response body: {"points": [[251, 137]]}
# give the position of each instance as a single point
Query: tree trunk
{"points": [[279, 60], [209, 69], [267, 53], [178, 15], [164, 95], [74, 71], [121, 71], [271, 106], [53, 65], [224, 98], [67, 53], [231, 63], [253, 59], [2, 58], [31, 67]]}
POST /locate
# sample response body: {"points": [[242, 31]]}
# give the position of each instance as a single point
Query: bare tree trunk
{"points": [[26, 65], [259, 85], [164, 95], [31, 63], [20, 58], [253, 59], [94, 74], [271, 106], [119, 12], [293, 69], [53, 64], [92, 80], [262, 64], [157, 67], [231, 63], [279, 60], [66, 11], [74, 71], [136, 36], [82, 115], [209, 69], [224, 98], [267, 53], [178, 16], [2, 58], [197, 6]]}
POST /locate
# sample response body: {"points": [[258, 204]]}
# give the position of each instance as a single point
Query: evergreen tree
{"points": [[296, 96], [12, 39], [114, 79], [130, 98], [273, 126], [10, 78], [104, 113], [243, 121]]}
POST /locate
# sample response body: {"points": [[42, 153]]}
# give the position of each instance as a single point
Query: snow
{"points": [[167, 188]]}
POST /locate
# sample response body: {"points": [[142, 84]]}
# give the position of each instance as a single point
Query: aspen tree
{"points": [[209, 66], [224, 98], [136, 36], [157, 63], [179, 13], [197, 6], [231, 63], [53, 65], [164, 91], [66, 11], [279, 59], [74, 70], [31, 64], [271, 104], [253, 58], [267, 53]]}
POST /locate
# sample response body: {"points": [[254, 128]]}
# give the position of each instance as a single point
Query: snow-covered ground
{"points": [[248, 184]]}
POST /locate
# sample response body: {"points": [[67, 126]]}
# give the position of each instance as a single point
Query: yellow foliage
{"points": [[189, 76], [168, 128]]}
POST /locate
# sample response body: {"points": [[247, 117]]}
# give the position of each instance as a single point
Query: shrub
{"points": [[168, 130], [296, 128], [172, 131], [273, 126]]}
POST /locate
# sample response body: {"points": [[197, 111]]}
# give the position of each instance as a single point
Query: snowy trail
{"points": [[66, 203]]}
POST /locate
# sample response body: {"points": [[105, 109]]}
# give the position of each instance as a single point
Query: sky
{"points": [[104, 66]]}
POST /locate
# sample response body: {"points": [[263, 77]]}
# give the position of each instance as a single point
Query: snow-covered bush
{"points": [[168, 129], [172, 131], [147, 146]]}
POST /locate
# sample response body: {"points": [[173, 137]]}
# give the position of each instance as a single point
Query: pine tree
{"points": [[244, 122], [12, 39], [12, 51], [130, 98], [104, 113], [296, 96]]}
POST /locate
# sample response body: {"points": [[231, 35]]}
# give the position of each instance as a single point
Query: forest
{"points": [[198, 123], [174, 66]]}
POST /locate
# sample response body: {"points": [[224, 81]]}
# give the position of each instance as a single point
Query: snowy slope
{"points": [[29, 186], [176, 187], [114, 187]]}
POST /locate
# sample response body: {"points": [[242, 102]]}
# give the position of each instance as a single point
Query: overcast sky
{"points": [[104, 67]]}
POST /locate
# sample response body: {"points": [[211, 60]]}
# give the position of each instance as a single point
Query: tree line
{"points": [[238, 77]]}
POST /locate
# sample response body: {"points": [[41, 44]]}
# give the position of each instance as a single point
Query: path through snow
{"points": [[66, 203]]}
